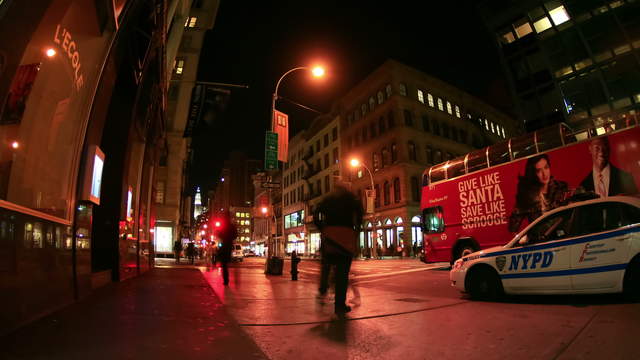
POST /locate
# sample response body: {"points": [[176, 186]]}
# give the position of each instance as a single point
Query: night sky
{"points": [[254, 43]]}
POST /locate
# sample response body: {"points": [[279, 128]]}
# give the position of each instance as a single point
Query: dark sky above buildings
{"points": [[254, 43]]}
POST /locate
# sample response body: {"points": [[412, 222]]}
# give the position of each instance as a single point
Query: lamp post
{"points": [[374, 238], [317, 71]]}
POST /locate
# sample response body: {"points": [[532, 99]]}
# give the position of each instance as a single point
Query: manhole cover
{"points": [[412, 300]]}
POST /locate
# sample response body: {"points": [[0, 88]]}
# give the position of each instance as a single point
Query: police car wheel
{"points": [[631, 283], [485, 284]]}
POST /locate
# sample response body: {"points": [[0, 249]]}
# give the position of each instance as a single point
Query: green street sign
{"points": [[271, 151]]}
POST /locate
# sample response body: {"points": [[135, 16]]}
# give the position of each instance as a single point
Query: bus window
{"points": [[433, 220], [499, 153], [522, 146], [549, 138], [425, 179], [437, 173], [455, 168], [477, 160]]}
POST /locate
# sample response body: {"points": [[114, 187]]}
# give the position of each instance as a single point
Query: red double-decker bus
{"points": [[486, 197]]}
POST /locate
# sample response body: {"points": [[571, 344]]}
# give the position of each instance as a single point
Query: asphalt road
{"points": [[404, 309]]}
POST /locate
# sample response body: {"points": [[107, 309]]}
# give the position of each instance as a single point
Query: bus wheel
{"points": [[484, 284], [631, 284], [463, 249]]}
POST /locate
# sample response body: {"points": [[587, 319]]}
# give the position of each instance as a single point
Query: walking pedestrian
{"points": [[214, 253], [177, 249], [191, 252], [415, 248], [227, 233], [339, 218]]}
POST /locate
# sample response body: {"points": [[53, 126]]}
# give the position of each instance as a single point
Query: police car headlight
{"points": [[458, 264]]}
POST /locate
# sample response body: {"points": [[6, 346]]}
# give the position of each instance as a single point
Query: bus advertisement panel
{"points": [[488, 207]]}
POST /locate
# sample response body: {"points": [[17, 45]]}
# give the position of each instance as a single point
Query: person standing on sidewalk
{"points": [[177, 249], [191, 252], [339, 218], [227, 233]]}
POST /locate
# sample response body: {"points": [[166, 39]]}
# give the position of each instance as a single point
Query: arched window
{"points": [[368, 225], [430, 99], [387, 193], [412, 151], [449, 110], [385, 157], [376, 161], [380, 97], [382, 124], [396, 190], [372, 129], [416, 231], [388, 90], [377, 201], [399, 220], [408, 117], [372, 103], [403, 89], [394, 153], [391, 119]]}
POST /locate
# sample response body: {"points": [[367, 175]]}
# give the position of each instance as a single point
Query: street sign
{"points": [[270, 185], [271, 151]]}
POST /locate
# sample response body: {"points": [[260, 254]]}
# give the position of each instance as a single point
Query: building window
{"points": [[372, 103], [430, 99], [385, 157], [335, 155], [438, 157], [420, 96], [178, 66], [364, 133], [508, 37], [542, 24], [523, 28], [319, 187], [440, 105], [376, 161], [445, 130], [326, 160], [363, 109], [396, 190], [436, 127], [327, 184], [191, 22], [391, 120], [394, 153], [160, 189], [387, 193], [372, 130], [408, 118], [415, 189], [318, 146], [412, 151], [403, 89], [429, 153], [388, 90], [334, 134], [326, 140], [425, 123], [380, 97], [457, 111], [449, 110], [377, 201], [559, 15], [382, 124]]}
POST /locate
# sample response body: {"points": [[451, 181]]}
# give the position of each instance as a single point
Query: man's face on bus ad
{"points": [[599, 149]]}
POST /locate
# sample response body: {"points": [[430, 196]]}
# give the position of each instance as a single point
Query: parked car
{"points": [[585, 247], [236, 253]]}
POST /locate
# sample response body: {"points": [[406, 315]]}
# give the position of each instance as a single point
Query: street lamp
{"points": [[316, 71], [371, 196]]}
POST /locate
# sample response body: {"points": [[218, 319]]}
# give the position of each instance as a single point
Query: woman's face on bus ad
{"points": [[543, 171]]}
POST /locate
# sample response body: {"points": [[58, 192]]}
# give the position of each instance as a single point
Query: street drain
{"points": [[412, 300]]}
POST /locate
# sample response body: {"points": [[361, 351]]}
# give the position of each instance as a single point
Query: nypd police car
{"points": [[586, 247]]}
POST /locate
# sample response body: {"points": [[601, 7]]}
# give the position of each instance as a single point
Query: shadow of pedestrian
{"points": [[334, 330]]}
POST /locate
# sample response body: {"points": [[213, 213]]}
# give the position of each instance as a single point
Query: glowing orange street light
{"points": [[264, 210], [15, 144], [318, 71], [371, 197], [50, 52]]}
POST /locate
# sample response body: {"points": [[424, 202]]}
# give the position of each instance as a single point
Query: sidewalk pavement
{"points": [[162, 314]]}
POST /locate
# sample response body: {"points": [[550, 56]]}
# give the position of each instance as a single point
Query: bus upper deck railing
{"points": [[518, 147]]}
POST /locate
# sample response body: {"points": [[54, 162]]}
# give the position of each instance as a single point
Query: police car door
{"points": [[599, 257], [541, 263]]}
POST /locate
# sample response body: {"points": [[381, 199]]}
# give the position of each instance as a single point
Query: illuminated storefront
{"points": [[71, 146]]}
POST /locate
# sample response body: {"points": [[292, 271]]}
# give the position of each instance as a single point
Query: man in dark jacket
{"points": [[339, 218], [227, 233]]}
